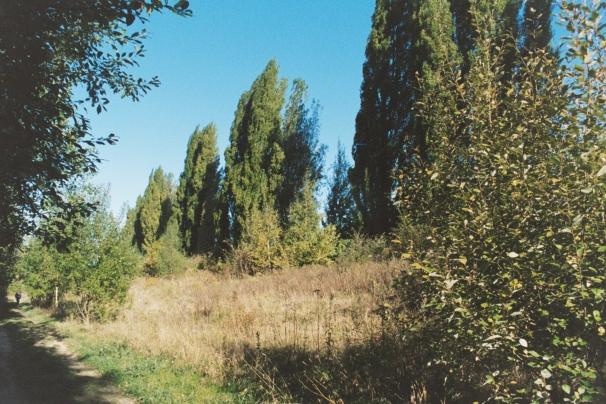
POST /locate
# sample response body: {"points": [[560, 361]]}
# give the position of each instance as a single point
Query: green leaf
{"points": [[546, 374], [566, 388]]}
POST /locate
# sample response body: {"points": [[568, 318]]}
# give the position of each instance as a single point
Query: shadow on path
{"points": [[36, 367]]}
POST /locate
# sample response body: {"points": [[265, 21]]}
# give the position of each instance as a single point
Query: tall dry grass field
{"points": [[211, 321]]}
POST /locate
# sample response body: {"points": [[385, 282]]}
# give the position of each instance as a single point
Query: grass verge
{"points": [[145, 378]]}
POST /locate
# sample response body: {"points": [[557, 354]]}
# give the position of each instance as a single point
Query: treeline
{"points": [[258, 213], [410, 40], [261, 208]]}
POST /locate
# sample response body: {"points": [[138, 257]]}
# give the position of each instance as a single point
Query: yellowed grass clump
{"points": [[209, 320]]}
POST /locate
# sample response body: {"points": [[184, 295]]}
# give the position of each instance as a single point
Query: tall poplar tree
{"points": [[406, 37], [303, 154], [155, 209], [223, 215], [385, 95], [341, 209], [129, 232], [197, 195], [254, 159]]}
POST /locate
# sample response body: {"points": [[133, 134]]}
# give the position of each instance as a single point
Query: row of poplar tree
{"points": [[273, 170], [275, 158], [407, 41]]}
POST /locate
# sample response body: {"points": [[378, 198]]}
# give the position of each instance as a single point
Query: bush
{"points": [[37, 267], [94, 270], [305, 242], [505, 298], [164, 256], [360, 248], [260, 249]]}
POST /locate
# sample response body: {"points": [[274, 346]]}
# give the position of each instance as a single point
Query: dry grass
{"points": [[210, 321]]}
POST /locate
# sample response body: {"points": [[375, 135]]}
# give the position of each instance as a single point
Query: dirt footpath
{"points": [[9, 390], [36, 366]]}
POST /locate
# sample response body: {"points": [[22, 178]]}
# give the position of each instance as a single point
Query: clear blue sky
{"points": [[205, 63]]}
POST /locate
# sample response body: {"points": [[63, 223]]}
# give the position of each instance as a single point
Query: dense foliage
{"points": [[260, 212], [261, 248], [254, 159], [149, 219], [504, 300], [88, 277], [407, 38], [198, 193], [273, 166], [305, 241], [341, 210], [164, 255], [303, 155], [50, 47]]}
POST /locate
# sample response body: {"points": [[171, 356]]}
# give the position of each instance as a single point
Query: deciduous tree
{"points": [[155, 209], [303, 154], [198, 193], [50, 47], [341, 209], [254, 159]]}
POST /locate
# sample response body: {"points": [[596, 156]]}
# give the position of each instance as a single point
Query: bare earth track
{"points": [[36, 366]]}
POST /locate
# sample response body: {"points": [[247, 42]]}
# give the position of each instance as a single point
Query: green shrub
{"points": [[360, 248], [505, 297], [94, 270], [164, 256], [261, 248], [305, 242], [37, 268]]}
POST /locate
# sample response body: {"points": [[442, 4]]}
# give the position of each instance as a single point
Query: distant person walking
{"points": [[17, 297]]}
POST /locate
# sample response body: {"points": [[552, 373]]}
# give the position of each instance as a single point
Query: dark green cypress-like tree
{"points": [[254, 159], [197, 195], [303, 154], [155, 209], [341, 209], [406, 38], [385, 96]]}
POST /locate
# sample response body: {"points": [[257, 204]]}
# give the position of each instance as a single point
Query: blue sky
{"points": [[205, 63]]}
